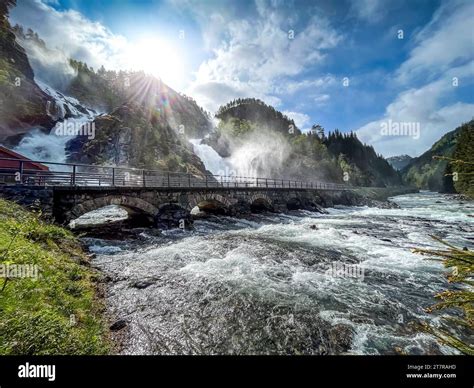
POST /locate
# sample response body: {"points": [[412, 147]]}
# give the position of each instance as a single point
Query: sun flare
{"points": [[158, 58]]}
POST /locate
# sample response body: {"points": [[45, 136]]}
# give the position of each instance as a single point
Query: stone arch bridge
{"points": [[64, 192], [162, 206], [168, 205]]}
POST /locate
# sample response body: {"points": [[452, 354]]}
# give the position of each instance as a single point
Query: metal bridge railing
{"points": [[27, 172]]}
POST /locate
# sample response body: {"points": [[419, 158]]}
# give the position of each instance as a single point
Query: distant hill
{"points": [[365, 167], [427, 173], [399, 162], [256, 111]]}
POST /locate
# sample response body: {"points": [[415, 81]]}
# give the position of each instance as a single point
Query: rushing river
{"points": [[273, 284]]}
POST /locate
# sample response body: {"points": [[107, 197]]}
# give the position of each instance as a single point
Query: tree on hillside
{"points": [[5, 5], [318, 130]]}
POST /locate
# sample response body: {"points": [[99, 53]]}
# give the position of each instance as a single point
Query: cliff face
{"points": [[148, 126], [23, 105]]}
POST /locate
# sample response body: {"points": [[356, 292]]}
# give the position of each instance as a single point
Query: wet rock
{"points": [[118, 325], [141, 284], [341, 337]]}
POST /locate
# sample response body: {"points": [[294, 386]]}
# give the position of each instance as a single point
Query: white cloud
{"points": [[291, 87], [443, 51], [448, 39], [301, 119], [321, 99], [72, 33], [422, 106], [369, 10], [258, 55]]}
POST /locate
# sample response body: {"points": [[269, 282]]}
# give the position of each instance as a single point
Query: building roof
{"points": [[14, 155]]}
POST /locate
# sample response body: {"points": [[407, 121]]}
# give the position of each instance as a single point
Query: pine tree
{"points": [[461, 263]]}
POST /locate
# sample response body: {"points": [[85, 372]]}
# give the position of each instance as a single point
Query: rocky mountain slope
{"points": [[144, 124], [106, 90], [148, 128], [23, 105], [136, 135]]}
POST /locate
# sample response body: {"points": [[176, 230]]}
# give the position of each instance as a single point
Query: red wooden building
{"points": [[8, 167]]}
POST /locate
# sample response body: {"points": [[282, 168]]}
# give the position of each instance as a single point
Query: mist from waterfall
{"points": [[261, 155], [213, 162]]}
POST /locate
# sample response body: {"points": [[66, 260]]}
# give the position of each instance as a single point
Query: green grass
{"points": [[35, 314]]}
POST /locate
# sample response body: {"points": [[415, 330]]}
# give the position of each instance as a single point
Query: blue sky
{"points": [[294, 55]]}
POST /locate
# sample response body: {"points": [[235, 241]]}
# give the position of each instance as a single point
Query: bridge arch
{"points": [[173, 214], [133, 205], [260, 202], [294, 203], [210, 202]]}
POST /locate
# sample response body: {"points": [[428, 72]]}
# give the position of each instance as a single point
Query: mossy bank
{"points": [[55, 308]]}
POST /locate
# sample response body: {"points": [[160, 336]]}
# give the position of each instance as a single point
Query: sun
{"points": [[158, 58]]}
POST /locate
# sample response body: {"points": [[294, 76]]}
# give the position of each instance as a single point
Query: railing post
{"points": [[206, 180], [74, 175], [266, 182], [189, 180], [21, 172], [143, 178], [113, 176], [168, 178]]}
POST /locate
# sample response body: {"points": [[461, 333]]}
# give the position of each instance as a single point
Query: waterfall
{"points": [[51, 147], [262, 154], [212, 160]]}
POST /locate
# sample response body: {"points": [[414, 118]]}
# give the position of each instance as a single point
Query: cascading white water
{"points": [[212, 160], [263, 153], [51, 147]]}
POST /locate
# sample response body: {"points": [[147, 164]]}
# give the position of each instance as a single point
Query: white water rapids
{"points": [[264, 285]]}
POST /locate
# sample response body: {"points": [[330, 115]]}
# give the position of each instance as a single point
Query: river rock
{"points": [[118, 325]]}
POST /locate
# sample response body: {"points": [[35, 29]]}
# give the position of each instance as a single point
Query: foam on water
{"points": [[282, 261]]}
